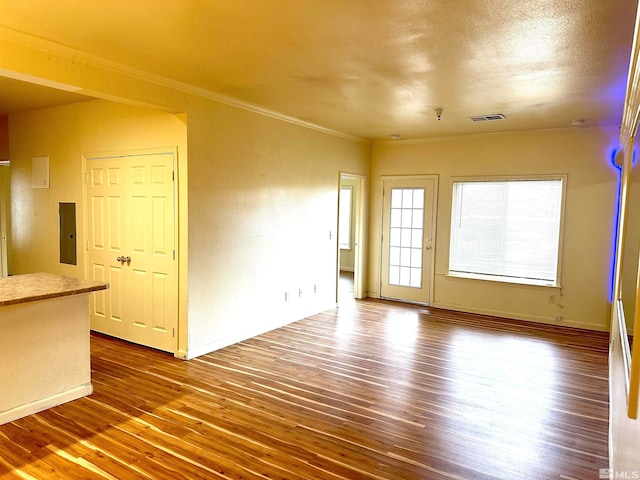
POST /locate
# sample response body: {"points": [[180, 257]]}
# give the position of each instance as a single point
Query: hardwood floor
{"points": [[346, 293], [374, 390]]}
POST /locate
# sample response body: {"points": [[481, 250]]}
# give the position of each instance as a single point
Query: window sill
{"points": [[508, 280]]}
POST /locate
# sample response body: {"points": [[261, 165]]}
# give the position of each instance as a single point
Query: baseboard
{"points": [[45, 403], [516, 316]]}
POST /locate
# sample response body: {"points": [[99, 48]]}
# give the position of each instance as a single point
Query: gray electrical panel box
{"points": [[68, 233]]}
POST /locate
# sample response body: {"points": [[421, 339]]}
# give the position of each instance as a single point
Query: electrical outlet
{"points": [[552, 299], [286, 296]]}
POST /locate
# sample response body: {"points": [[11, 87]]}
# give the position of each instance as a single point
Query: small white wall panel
{"points": [[40, 172]]}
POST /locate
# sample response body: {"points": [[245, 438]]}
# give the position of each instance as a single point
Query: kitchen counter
{"points": [[45, 357], [42, 286]]}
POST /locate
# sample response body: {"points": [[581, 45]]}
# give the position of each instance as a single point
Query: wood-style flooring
{"points": [[373, 390]]}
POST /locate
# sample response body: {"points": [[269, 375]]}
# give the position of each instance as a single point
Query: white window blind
{"points": [[507, 230]]}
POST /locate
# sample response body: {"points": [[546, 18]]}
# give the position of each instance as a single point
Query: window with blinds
{"points": [[507, 230]]}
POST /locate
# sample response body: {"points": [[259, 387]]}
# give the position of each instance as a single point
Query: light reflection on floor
{"points": [[521, 389], [345, 289], [403, 330]]}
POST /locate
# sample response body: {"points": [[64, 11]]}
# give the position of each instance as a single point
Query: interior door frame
{"points": [[434, 214], [359, 211], [176, 208], [5, 202]]}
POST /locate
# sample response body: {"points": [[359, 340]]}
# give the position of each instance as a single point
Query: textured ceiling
{"points": [[369, 68]]}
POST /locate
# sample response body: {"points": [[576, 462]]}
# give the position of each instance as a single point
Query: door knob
{"points": [[123, 259]]}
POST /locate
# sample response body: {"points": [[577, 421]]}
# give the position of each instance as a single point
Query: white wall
{"points": [[582, 154]]}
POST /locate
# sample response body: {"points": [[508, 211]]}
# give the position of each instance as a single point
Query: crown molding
{"points": [[471, 136], [78, 56]]}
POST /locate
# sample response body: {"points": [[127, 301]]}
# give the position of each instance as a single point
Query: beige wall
{"points": [[582, 154], [263, 222]]}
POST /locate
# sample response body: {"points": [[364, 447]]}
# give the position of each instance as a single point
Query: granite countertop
{"points": [[42, 286]]}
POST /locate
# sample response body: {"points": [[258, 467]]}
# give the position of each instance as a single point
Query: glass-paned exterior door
{"points": [[407, 239]]}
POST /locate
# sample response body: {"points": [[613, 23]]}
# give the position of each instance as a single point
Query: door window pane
{"points": [[394, 255], [405, 237], [416, 277], [405, 257], [394, 275], [396, 198], [416, 238], [396, 217], [416, 257]]}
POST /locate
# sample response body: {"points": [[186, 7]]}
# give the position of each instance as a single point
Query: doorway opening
{"points": [[350, 281]]}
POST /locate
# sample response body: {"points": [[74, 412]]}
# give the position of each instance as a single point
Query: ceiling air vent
{"points": [[484, 118]]}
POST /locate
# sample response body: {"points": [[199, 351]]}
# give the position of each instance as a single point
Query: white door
{"points": [[407, 241], [131, 245]]}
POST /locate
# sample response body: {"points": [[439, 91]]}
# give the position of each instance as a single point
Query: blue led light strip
{"points": [[616, 219]]}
